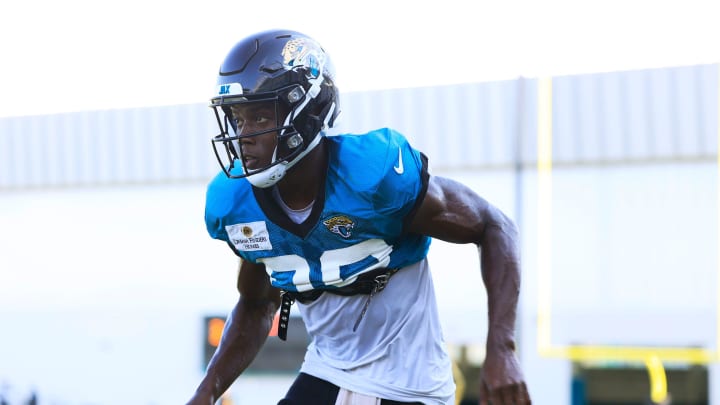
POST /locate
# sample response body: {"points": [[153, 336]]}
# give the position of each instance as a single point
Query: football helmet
{"points": [[292, 71]]}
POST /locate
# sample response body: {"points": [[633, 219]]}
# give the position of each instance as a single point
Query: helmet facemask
{"points": [[228, 144]]}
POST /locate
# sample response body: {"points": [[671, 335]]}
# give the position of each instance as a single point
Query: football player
{"points": [[340, 226]]}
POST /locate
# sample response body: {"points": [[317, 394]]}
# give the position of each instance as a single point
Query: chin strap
{"points": [[269, 177]]}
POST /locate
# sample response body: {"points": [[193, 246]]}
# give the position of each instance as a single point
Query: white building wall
{"points": [[106, 270], [637, 116]]}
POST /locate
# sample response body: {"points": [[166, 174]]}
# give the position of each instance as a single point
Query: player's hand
{"points": [[502, 381]]}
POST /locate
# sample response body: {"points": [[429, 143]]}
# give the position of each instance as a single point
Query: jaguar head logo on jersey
{"points": [[340, 225]]}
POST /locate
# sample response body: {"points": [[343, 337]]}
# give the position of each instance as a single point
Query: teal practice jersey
{"points": [[374, 184]]}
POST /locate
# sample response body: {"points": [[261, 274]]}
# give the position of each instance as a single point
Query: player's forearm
{"points": [[501, 274], [246, 330]]}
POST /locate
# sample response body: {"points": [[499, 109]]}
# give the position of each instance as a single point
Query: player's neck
{"points": [[301, 184]]}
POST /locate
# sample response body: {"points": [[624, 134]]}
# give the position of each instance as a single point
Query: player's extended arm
{"points": [[246, 329], [453, 212]]}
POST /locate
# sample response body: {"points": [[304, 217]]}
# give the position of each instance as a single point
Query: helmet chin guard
{"points": [[268, 177], [290, 70]]}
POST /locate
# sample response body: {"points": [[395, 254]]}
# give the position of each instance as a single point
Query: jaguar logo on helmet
{"points": [[340, 225], [304, 52]]}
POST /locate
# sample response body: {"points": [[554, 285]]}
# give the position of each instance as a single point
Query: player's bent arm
{"points": [[246, 329], [453, 212]]}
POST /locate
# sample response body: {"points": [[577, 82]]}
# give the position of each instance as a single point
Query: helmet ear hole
{"points": [[308, 125]]}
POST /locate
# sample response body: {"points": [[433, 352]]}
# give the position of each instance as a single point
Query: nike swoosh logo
{"points": [[399, 169]]}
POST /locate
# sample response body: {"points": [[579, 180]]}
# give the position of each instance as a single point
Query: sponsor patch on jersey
{"points": [[340, 225], [249, 236]]}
